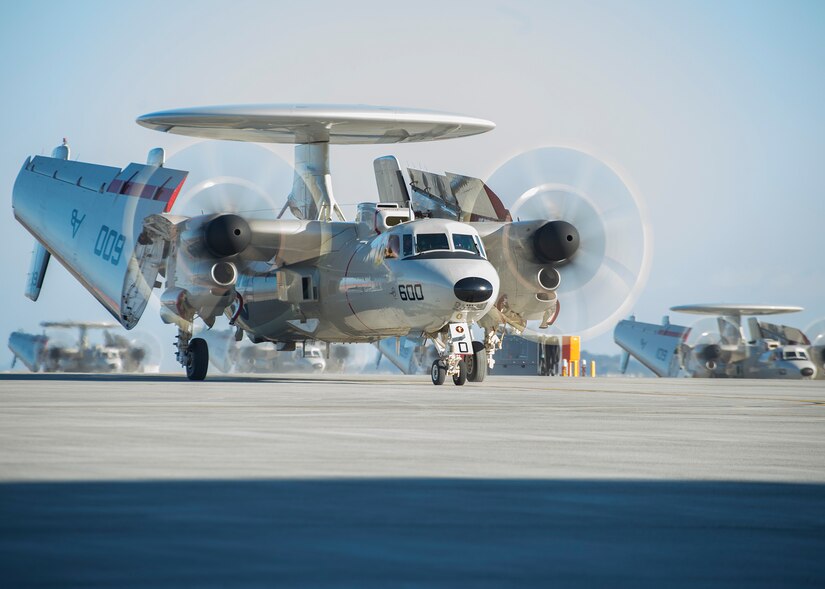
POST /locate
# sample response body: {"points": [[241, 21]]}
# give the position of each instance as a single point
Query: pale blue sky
{"points": [[713, 111]]}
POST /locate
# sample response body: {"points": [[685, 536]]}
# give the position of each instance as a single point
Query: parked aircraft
{"points": [[398, 269], [42, 352], [772, 351]]}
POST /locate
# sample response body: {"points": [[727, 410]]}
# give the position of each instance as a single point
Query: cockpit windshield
{"points": [[795, 355], [467, 243], [425, 242]]}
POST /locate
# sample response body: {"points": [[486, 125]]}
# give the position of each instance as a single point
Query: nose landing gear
{"points": [[459, 356]]}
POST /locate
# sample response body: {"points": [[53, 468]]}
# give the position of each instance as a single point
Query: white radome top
{"points": [[311, 123], [733, 310]]}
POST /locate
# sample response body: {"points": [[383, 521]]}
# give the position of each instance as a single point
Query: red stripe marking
{"points": [[149, 191], [174, 195], [671, 333]]}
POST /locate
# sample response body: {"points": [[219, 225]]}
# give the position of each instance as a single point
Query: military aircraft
{"points": [[399, 268], [773, 351], [115, 354]]}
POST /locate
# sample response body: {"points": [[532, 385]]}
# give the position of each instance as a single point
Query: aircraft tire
{"points": [[438, 372], [477, 363], [460, 378], [197, 361]]}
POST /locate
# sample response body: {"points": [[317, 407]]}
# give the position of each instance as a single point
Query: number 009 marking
{"points": [[109, 245]]}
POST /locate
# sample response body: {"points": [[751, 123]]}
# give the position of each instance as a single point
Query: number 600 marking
{"points": [[410, 292]]}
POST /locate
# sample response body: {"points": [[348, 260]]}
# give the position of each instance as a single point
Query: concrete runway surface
{"points": [[153, 481]]}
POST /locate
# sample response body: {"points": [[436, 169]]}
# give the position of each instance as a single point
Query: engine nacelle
{"points": [[708, 352], [227, 235], [526, 254], [200, 271]]}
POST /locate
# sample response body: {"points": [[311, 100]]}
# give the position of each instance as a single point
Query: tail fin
{"points": [[90, 218], [390, 181]]}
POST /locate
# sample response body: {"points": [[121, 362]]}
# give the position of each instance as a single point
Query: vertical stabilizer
{"points": [[390, 180]]}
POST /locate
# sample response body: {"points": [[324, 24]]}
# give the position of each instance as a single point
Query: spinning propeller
{"points": [[601, 281], [231, 177]]}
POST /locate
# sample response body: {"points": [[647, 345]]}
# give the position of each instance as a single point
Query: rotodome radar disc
{"points": [[604, 278]]}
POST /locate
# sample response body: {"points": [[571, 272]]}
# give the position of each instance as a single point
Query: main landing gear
{"points": [[193, 354]]}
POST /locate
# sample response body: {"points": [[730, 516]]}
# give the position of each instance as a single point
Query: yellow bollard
{"points": [[592, 368], [575, 366]]}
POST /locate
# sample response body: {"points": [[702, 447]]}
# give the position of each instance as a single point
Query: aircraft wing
{"points": [[455, 196], [655, 346], [90, 218]]}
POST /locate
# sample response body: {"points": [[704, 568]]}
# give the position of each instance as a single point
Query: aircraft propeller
{"points": [[604, 275], [816, 334], [145, 351], [246, 179]]}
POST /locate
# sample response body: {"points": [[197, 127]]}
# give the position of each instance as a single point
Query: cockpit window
{"points": [[465, 243], [795, 355], [425, 242], [408, 249], [393, 246]]}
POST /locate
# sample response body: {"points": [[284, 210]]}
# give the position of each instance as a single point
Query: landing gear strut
{"points": [[193, 354]]}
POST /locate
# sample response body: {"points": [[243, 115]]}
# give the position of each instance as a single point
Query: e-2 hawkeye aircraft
{"points": [[773, 351], [391, 272]]}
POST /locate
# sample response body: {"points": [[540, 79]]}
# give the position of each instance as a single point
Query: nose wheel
{"points": [[461, 376], [459, 357], [439, 373]]}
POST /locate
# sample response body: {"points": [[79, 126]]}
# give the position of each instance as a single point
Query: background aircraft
{"points": [[772, 351], [52, 353]]}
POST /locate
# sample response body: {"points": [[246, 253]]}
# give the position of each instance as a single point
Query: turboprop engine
{"points": [[201, 272], [527, 255]]}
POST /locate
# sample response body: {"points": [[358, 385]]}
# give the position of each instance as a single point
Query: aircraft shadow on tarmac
{"points": [[380, 532]]}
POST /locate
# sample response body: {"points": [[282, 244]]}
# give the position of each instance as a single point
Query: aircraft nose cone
{"points": [[807, 371], [473, 289]]}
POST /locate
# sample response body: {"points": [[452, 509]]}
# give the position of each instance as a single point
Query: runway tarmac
{"points": [[153, 481]]}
